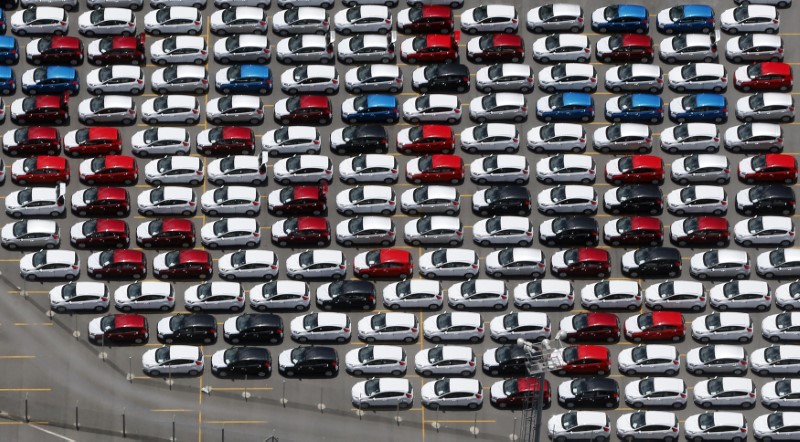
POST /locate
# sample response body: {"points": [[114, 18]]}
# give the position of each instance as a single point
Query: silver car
{"points": [[699, 77], [509, 77], [555, 17], [182, 170], [301, 20], [568, 77], [503, 106], [634, 77], [754, 47], [557, 137], [161, 141], [490, 18], [701, 168], [239, 20], [134, 5], [313, 78], [30, 233], [115, 79], [305, 48], [490, 137], [431, 200], [689, 47], [363, 18], [374, 78], [369, 168], [180, 49], [766, 106], [241, 48], [434, 229], [690, 137], [367, 48], [180, 78], [754, 137]]}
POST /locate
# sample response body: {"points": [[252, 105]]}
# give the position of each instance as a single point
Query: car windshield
{"points": [[229, 15], [510, 321], [489, 101], [160, 103], [372, 387], [163, 15], [366, 354], [644, 321], [571, 256], [506, 256], [423, 102], [442, 387], [356, 194], [306, 259], [558, 194], [293, 164], [546, 12], [755, 224], [690, 225], [602, 289], [335, 289], [552, 42], [556, 163], [164, 164], [712, 321], [759, 162], [679, 42], [286, 195], [89, 226], [556, 101], [176, 322], [611, 12], [361, 103], [689, 71], [711, 259], [777, 257], [378, 321], [243, 321], [775, 421], [783, 320], [756, 101], [615, 41], [363, 73], [157, 195], [745, 43], [25, 196], [29, 15], [783, 387], [638, 419], [580, 321], [403, 288], [435, 355], [162, 355], [708, 353], [758, 193], [639, 354], [753, 71], [486, 42], [705, 421], [221, 227], [745, 131], [688, 194], [431, 71], [356, 225], [666, 289], [772, 354], [232, 43], [310, 321], [357, 43], [29, 104], [569, 420], [643, 255], [155, 226], [269, 289], [29, 164], [613, 132], [646, 386], [97, 104], [298, 354], [68, 291], [680, 132], [625, 102], [444, 321], [624, 224], [105, 74], [510, 387], [172, 258], [494, 224], [106, 257], [40, 74], [372, 257], [547, 132], [107, 322], [559, 71], [495, 71], [300, 73]]}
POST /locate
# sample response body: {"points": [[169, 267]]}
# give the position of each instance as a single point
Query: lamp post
{"points": [[540, 360]]}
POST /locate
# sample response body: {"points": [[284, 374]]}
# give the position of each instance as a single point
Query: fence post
{"points": [[77, 425], [27, 416], [124, 433]]}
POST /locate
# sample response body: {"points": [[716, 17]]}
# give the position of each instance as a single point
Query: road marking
{"points": [[17, 357], [236, 422], [25, 389], [241, 388], [9, 260], [462, 421], [24, 423], [53, 433], [30, 292], [171, 410], [26, 324]]}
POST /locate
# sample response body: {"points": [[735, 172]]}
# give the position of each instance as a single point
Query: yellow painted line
{"points": [[9, 260], [171, 410], [17, 357], [25, 389], [30, 292], [25, 324], [236, 422], [463, 421], [241, 388], [25, 423]]}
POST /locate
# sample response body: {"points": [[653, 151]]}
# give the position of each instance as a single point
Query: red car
{"points": [[517, 393], [57, 50], [119, 50], [588, 262], [119, 329], [100, 233], [93, 141], [635, 231], [44, 169], [499, 48], [426, 139], [183, 264], [34, 140], [311, 109], [765, 76], [768, 168], [584, 359], [302, 232], [110, 169], [228, 140], [431, 48], [428, 18], [299, 201], [44, 109], [101, 201], [433, 169], [117, 264], [384, 263], [625, 47], [593, 326], [166, 233], [635, 169], [702, 231], [655, 326]]}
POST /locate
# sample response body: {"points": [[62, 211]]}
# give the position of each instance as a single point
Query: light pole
{"points": [[540, 360]]}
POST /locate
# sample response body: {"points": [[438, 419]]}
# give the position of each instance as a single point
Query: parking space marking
{"points": [[171, 410], [25, 390], [27, 324], [462, 421], [25, 423], [17, 357], [240, 388], [236, 422]]}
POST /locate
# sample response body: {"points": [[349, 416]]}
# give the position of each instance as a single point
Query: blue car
{"points": [[686, 19], [568, 106], [51, 80], [372, 108], [8, 81], [245, 79], [9, 50], [621, 18], [699, 107], [635, 108], [2, 22]]}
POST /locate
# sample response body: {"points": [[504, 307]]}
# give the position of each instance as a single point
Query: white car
{"points": [[31, 233], [776, 360], [40, 20], [452, 393], [173, 359], [446, 360], [145, 295], [50, 264], [765, 230], [306, 48], [656, 359], [239, 20], [235, 109], [238, 169], [557, 137], [363, 18], [690, 137], [324, 326], [312, 78], [562, 47], [291, 140], [383, 392], [555, 17], [432, 199], [568, 198], [79, 296], [160, 141], [449, 263], [612, 294], [766, 106], [171, 109], [750, 18], [754, 136], [391, 326], [174, 20], [579, 426], [723, 263], [568, 77], [781, 326], [243, 48], [369, 168], [413, 293], [698, 77], [509, 77], [172, 200], [250, 264], [516, 262], [317, 264], [231, 232], [724, 326], [781, 393], [633, 77], [781, 425], [787, 296], [688, 47], [478, 293], [180, 49], [623, 137], [116, 79], [367, 48], [368, 229], [374, 78], [303, 169], [779, 262], [716, 425], [725, 392], [701, 168], [499, 106], [701, 200], [369, 199], [490, 137], [490, 18], [503, 230], [656, 392], [376, 359], [231, 200], [566, 168], [531, 326], [37, 201], [107, 109], [214, 295], [301, 20], [279, 295], [430, 108], [717, 358], [648, 425], [457, 326], [754, 47], [107, 21], [544, 294], [179, 78]]}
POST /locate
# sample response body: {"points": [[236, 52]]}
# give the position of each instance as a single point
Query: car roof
{"points": [[443, 100], [436, 11], [400, 319], [636, 40], [42, 133], [329, 256], [313, 101], [258, 319], [576, 99], [102, 133], [435, 131], [381, 100], [648, 100], [447, 160], [580, 222], [642, 69], [40, 226], [730, 383], [597, 418], [666, 318], [573, 40], [628, 10], [182, 12], [395, 255], [507, 192], [111, 225], [457, 352], [711, 160], [176, 225], [48, 101], [648, 161], [189, 256], [61, 256], [130, 320], [312, 223], [306, 192], [125, 255], [777, 222], [733, 318], [775, 67], [488, 286], [514, 222], [661, 351], [579, 69], [196, 42], [779, 98], [780, 160], [241, 224], [645, 223], [737, 256], [125, 161], [243, 192], [711, 223], [661, 383], [425, 286], [183, 352], [61, 72], [178, 193], [500, 129], [697, 11], [330, 318], [320, 353], [527, 254], [465, 318], [592, 254], [49, 12], [252, 354], [400, 385], [635, 129], [516, 69], [577, 160], [254, 71], [506, 40], [376, 222], [111, 193], [592, 352], [9, 42], [601, 319], [717, 100], [50, 162], [382, 70], [464, 385], [117, 101], [562, 129]]}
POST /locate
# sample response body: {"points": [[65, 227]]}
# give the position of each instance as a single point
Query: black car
{"points": [[635, 199], [654, 262], [443, 78], [509, 360], [766, 200], [358, 139], [569, 231], [258, 328], [242, 361], [309, 361], [589, 392], [347, 295], [503, 200], [192, 328]]}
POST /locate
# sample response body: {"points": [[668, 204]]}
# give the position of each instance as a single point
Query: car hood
{"points": [[479, 199], [218, 359], [94, 327], [557, 261], [628, 260], [285, 359], [229, 326], [489, 359], [163, 326], [546, 228]]}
